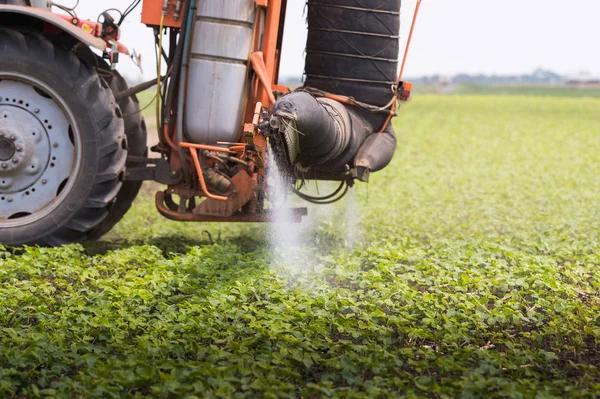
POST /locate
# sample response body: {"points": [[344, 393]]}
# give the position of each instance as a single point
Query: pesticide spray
{"points": [[288, 240], [293, 245], [352, 216]]}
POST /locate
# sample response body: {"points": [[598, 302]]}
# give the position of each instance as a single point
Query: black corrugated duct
{"points": [[353, 47], [352, 50]]}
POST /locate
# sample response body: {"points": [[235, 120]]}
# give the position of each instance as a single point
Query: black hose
{"points": [[325, 199], [174, 81]]}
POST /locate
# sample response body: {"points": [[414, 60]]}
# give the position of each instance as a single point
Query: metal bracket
{"points": [[156, 169]]}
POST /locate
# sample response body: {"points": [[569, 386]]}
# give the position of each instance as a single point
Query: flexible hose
{"points": [[174, 81], [326, 199], [183, 76]]}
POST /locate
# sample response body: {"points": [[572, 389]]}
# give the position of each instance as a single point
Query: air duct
{"points": [[352, 50]]}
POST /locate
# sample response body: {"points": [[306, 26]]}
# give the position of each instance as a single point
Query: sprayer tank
{"points": [[221, 44]]}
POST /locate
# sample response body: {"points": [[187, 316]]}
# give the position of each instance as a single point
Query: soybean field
{"points": [[469, 267]]}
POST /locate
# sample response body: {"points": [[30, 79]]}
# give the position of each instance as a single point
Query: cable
{"points": [[143, 109], [132, 6], [128, 11], [107, 10], [326, 199]]}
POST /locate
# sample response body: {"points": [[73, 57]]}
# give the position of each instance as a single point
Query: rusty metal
{"points": [[246, 202], [206, 147], [250, 128], [193, 150], [243, 190], [279, 90], [161, 200]]}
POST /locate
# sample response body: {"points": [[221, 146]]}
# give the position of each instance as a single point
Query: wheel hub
{"points": [[37, 153], [28, 145], [7, 149]]}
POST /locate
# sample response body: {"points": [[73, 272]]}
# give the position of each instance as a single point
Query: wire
{"points": [[132, 6], [143, 109], [107, 10], [328, 199], [128, 11]]}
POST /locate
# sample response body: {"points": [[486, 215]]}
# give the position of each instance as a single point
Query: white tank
{"points": [[218, 71]]}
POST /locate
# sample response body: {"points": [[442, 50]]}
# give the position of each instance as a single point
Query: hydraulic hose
{"points": [[174, 81], [327, 199], [187, 43]]}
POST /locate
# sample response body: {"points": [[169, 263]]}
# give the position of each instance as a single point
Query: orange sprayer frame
{"points": [[152, 12], [261, 92], [265, 64], [261, 89]]}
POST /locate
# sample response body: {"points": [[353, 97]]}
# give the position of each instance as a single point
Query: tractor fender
{"points": [[47, 17]]}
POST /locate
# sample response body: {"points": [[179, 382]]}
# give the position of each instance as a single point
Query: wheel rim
{"points": [[40, 150]]}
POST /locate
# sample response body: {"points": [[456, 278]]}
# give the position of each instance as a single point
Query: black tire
{"points": [[99, 132], [15, 2], [135, 129]]}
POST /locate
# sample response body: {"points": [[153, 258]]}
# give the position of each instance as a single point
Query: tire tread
{"points": [[108, 133]]}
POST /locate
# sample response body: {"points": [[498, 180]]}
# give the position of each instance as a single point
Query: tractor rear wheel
{"points": [[62, 143], [135, 129]]}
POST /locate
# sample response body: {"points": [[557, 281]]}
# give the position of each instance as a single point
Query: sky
{"points": [[451, 36]]}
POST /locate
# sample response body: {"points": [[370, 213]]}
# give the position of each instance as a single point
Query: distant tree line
{"points": [[539, 76]]}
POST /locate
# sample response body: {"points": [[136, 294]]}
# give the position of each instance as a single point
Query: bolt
{"points": [[9, 199], [15, 160], [44, 181], [19, 148], [36, 111], [55, 145], [4, 165], [13, 137]]}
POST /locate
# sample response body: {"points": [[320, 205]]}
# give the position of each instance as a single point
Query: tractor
{"points": [[73, 142]]}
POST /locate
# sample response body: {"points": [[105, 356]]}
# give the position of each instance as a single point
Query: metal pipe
{"points": [[201, 179], [205, 147], [136, 89]]}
